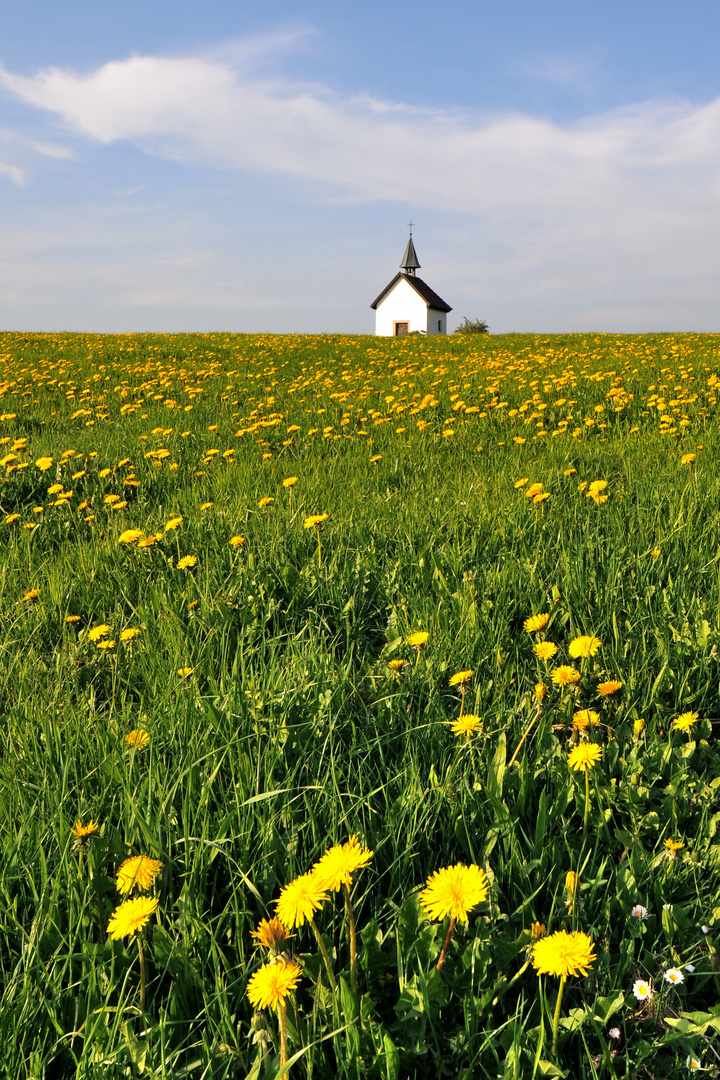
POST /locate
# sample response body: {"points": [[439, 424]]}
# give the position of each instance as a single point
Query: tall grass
{"points": [[288, 731]]}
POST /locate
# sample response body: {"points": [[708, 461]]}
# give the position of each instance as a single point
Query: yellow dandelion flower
{"points": [[584, 646], [533, 490], [187, 562], [563, 954], [44, 463], [137, 739], [84, 833], [10, 518], [571, 882], [564, 674], [139, 873], [684, 721], [687, 459], [396, 665], [545, 650], [272, 984], [131, 916], [184, 672], [271, 933], [655, 552], [418, 638], [130, 633], [173, 523], [314, 519], [97, 632], [584, 757], [522, 482], [454, 891], [300, 900], [609, 687], [130, 536], [107, 643], [336, 867], [536, 622], [538, 930], [585, 718], [638, 727], [467, 725], [72, 618], [289, 481], [541, 497], [237, 541], [460, 677], [674, 845], [265, 501], [205, 505], [541, 690]]}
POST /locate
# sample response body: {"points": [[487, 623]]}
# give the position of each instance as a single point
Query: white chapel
{"points": [[407, 304]]}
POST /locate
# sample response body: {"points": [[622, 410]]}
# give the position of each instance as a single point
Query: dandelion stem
{"points": [[587, 801], [319, 548], [325, 955], [556, 1017], [525, 734], [282, 1018], [353, 941], [141, 957], [446, 946], [472, 760]]}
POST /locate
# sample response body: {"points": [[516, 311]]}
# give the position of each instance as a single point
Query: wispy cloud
{"points": [[13, 172], [210, 110], [18, 153], [592, 213]]}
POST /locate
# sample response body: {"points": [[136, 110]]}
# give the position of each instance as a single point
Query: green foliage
{"points": [[472, 326], [289, 732]]}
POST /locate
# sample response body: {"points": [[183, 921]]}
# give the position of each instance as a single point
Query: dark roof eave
{"points": [[430, 297]]}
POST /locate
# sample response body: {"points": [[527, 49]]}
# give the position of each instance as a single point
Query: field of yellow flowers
{"points": [[360, 701]]}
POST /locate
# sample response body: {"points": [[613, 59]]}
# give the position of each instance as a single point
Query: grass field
{"points": [[193, 671]]}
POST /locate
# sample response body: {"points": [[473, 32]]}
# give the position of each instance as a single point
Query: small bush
{"points": [[473, 326]]}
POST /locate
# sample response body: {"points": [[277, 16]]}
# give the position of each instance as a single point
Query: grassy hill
{"points": [[194, 671]]}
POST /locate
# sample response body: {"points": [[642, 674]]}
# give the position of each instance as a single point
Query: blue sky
{"points": [[178, 166]]}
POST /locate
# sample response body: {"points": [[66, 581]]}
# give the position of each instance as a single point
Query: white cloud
{"points": [[619, 205], [210, 110], [13, 172], [18, 153]]}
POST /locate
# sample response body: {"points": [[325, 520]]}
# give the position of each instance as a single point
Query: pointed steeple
{"points": [[410, 260]]}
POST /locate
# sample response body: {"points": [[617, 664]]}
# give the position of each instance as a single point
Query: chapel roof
{"points": [[429, 295]]}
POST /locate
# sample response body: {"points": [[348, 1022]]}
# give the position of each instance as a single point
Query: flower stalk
{"points": [[141, 957], [446, 945], [282, 1019], [325, 955], [524, 736], [556, 1017], [353, 940]]}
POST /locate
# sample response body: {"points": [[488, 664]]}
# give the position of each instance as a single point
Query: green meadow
{"points": [[194, 670]]}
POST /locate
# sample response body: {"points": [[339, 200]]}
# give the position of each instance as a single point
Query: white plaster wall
{"points": [[433, 318], [402, 304]]}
